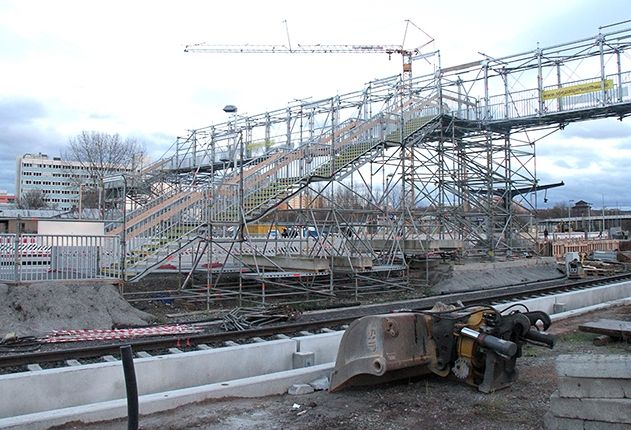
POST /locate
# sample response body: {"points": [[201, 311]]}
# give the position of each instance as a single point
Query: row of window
{"points": [[67, 166], [59, 200], [45, 192], [52, 183], [56, 175]]}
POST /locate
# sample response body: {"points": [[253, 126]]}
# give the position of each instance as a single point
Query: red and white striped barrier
{"points": [[60, 336]]}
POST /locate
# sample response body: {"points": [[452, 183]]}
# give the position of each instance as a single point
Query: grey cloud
{"points": [[19, 135], [602, 129], [18, 111], [614, 187]]}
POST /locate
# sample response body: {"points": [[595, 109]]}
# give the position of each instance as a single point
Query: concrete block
{"points": [[230, 343], [72, 363], [203, 347], [558, 307], [594, 365], [551, 422], [298, 389], [109, 358], [34, 367], [608, 410], [321, 384], [303, 359], [594, 388], [143, 354], [324, 345], [175, 351]]}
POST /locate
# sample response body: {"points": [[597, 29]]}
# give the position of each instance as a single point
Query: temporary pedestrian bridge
{"points": [[401, 168]]}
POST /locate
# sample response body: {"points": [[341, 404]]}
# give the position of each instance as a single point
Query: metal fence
{"points": [[41, 257]]}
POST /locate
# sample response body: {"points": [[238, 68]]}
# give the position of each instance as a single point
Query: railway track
{"points": [[14, 360]]}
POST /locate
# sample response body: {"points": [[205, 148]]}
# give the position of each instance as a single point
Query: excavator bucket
{"points": [[475, 344], [381, 348]]}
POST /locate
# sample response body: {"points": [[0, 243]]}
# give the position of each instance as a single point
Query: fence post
{"points": [[18, 228]]}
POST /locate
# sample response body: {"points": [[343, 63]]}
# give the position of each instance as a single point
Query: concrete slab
{"points": [[288, 263], [351, 262], [594, 388], [608, 410], [558, 423], [594, 366], [613, 328]]}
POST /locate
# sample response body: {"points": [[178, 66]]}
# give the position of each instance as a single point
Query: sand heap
{"points": [[39, 308]]}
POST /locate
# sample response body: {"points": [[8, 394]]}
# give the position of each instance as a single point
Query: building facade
{"points": [[6, 198], [59, 181]]}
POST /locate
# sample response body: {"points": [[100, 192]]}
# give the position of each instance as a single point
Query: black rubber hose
{"points": [[131, 387], [544, 338]]}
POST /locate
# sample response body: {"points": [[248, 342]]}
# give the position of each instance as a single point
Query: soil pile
{"points": [[39, 308], [473, 276]]}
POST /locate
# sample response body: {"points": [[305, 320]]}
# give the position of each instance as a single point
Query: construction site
{"points": [[302, 253], [343, 195], [355, 194]]}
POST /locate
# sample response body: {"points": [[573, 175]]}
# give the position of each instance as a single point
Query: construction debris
{"points": [[239, 319], [615, 330]]}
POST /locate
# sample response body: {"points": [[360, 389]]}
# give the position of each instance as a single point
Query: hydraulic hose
{"points": [[130, 386]]}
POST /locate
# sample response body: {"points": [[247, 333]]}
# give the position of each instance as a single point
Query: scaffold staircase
{"points": [[171, 222]]}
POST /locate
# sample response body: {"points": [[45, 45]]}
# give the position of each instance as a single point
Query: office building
{"points": [[59, 180]]}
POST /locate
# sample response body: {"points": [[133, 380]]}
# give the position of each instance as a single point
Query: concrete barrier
{"points": [[576, 299], [96, 392], [594, 393], [256, 386], [77, 385]]}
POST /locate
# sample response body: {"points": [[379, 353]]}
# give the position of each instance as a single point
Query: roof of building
{"points": [[31, 213]]}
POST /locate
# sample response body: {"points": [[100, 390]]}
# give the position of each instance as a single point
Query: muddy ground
{"points": [[423, 403]]}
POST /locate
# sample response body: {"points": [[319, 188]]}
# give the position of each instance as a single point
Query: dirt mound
{"points": [[490, 275], [38, 308]]}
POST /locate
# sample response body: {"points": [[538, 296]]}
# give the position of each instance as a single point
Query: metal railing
{"points": [[45, 257]]}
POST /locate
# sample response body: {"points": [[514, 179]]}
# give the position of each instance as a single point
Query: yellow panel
{"points": [[573, 90]]}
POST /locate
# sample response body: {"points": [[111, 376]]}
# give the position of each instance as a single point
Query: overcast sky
{"points": [[119, 67]]}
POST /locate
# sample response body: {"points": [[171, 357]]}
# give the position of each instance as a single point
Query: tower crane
{"points": [[407, 55]]}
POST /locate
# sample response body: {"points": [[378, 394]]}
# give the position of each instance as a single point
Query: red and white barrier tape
{"points": [[60, 336]]}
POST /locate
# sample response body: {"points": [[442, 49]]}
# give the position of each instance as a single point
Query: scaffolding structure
{"points": [[334, 197]]}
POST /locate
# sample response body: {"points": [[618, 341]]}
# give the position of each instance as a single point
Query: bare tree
{"points": [[101, 155], [32, 199]]}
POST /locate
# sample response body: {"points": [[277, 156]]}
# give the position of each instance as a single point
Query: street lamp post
{"points": [[569, 216], [232, 109]]}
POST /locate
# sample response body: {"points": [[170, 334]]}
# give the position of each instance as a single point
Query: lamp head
{"points": [[230, 109]]}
